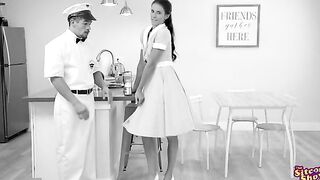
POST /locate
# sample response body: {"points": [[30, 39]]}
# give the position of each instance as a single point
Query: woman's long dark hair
{"points": [[166, 5]]}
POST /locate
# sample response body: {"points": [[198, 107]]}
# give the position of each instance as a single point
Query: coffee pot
{"points": [[118, 68]]}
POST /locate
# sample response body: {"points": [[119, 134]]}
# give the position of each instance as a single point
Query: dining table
{"points": [[258, 101]]}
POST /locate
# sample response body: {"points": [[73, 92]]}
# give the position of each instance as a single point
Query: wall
{"points": [[287, 60]]}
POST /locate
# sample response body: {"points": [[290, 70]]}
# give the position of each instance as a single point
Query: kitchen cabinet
{"points": [[109, 119]]}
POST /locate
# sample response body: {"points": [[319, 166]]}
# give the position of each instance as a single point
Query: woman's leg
{"points": [[150, 148], [172, 156]]}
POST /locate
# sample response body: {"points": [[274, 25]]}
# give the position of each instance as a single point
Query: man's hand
{"points": [[98, 79], [82, 111], [62, 87], [106, 93]]}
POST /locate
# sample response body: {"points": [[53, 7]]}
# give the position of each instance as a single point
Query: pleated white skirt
{"points": [[166, 109]]}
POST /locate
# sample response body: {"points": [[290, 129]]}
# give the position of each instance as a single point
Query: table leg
{"points": [[289, 142], [218, 116], [227, 144], [32, 124], [267, 132], [181, 145], [292, 136]]}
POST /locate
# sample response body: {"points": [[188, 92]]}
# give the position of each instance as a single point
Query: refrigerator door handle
{"points": [[7, 47], [9, 85], [9, 63]]}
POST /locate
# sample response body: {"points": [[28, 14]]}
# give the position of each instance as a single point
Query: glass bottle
{"points": [[119, 70]]}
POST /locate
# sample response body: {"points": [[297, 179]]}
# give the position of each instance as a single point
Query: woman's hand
{"points": [[139, 96], [134, 90]]}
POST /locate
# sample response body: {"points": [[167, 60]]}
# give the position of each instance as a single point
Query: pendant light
{"points": [[109, 2], [126, 11]]}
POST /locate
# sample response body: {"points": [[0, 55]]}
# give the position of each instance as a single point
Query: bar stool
{"points": [[128, 141], [126, 159]]}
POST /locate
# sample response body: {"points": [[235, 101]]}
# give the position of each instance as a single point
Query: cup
{"points": [[127, 79]]}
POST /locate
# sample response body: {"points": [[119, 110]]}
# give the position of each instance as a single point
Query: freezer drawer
{"points": [[16, 108], [2, 115]]}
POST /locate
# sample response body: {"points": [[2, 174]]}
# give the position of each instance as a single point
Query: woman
{"points": [[163, 109]]}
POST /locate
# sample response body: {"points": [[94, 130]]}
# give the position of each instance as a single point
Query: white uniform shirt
{"points": [[159, 38], [70, 60]]}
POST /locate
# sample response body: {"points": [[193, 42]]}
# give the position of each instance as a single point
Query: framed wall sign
{"points": [[238, 25]]}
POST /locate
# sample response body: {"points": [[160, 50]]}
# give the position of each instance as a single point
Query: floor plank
{"points": [[15, 158]]}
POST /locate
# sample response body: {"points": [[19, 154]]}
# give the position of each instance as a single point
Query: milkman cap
{"points": [[79, 10]]}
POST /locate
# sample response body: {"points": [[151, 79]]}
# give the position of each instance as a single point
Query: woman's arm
{"points": [[147, 73], [140, 68]]}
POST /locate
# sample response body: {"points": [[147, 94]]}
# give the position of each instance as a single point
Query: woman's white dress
{"points": [[166, 109]]}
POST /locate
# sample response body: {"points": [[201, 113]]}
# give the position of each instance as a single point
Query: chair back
{"points": [[196, 108], [249, 90], [292, 103], [291, 100]]}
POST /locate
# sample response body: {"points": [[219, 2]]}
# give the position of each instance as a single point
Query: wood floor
{"points": [[15, 158]]}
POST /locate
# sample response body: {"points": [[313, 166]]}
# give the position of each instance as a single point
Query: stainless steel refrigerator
{"points": [[14, 111]]}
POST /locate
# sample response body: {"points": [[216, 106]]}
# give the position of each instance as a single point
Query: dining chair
{"points": [[247, 118], [264, 127], [201, 126], [272, 126]]}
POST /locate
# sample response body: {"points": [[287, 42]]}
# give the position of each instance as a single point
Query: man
{"points": [[72, 70]]}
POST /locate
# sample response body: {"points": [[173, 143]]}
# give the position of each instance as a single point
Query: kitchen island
{"points": [[109, 118]]}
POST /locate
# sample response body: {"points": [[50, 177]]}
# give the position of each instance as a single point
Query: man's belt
{"points": [[87, 91]]}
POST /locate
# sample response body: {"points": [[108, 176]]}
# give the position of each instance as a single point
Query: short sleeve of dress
{"points": [[53, 62], [162, 39]]}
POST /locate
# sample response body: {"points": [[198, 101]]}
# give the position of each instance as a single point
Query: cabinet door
{"points": [[43, 141]]}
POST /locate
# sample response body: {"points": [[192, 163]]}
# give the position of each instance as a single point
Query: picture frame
{"points": [[238, 25]]}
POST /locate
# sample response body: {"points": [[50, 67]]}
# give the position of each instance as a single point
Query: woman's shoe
{"points": [[172, 178], [156, 177]]}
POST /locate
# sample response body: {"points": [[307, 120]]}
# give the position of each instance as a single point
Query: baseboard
{"points": [[306, 126], [296, 126]]}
